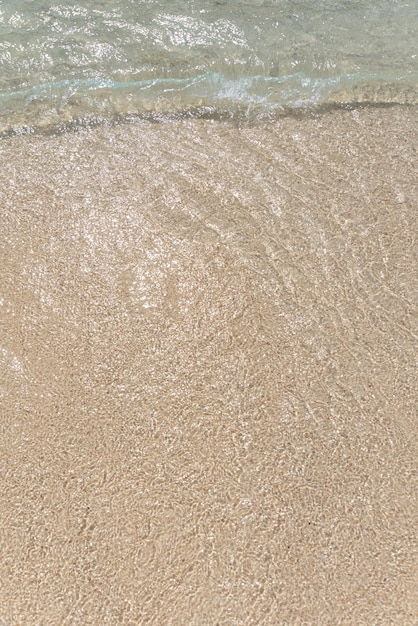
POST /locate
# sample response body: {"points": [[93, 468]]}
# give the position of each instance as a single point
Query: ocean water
{"points": [[208, 372], [208, 330], [80, 62]]}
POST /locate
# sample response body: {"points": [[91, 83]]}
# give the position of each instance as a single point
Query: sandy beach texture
{"points": [[208, 373]]}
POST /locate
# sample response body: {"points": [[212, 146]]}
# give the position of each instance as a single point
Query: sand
{"points": [[208, 373]]}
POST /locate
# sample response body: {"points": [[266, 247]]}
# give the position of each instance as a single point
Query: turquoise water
{"points": [[85, 61]]}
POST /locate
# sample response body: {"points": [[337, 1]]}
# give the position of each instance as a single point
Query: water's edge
{"points": [[239, 117]]}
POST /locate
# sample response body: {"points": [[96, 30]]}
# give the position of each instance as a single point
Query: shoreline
{"points": [[209, 372], [240, 118]]}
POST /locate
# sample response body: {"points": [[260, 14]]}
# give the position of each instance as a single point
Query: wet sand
{"points": [[208, 373]]}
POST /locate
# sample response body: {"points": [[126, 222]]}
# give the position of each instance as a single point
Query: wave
{"points": [[72, 102]]}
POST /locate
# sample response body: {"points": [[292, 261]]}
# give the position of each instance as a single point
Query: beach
{"points": [[209, 372]]}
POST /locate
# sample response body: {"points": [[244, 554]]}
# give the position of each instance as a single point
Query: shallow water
{"points": [[209, 330], [208, 373], [84, 61]]}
